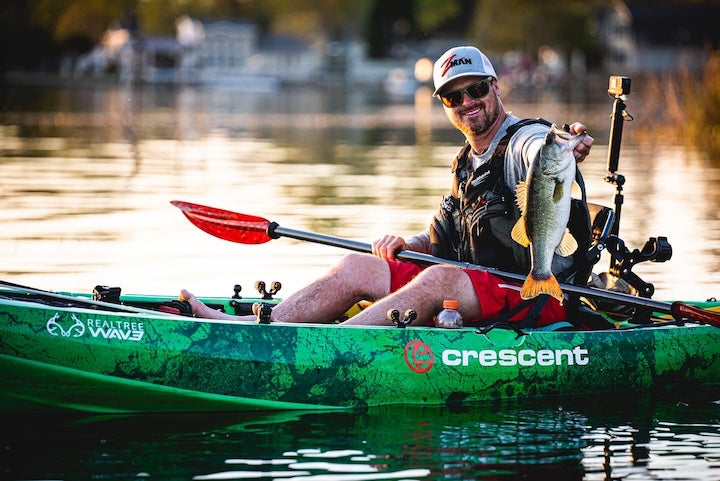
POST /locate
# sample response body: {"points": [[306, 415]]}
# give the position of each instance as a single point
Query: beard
{"points": [[477, 124]]}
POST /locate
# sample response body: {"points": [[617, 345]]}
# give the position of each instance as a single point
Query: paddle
{"points": [[249, 229]]}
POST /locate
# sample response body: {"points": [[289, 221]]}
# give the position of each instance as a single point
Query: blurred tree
{"points": [[446, 18], [391, 25], [24, 44], [327, 19], [503, 25], [387, 26], [71, 19], [157, 17]]}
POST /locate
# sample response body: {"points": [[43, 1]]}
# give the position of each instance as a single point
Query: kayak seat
{"points": [[601, 221], [583, 311]]}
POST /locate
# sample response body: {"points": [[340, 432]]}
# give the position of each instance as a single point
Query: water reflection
{"points": [[87, 176], [638, 437]]}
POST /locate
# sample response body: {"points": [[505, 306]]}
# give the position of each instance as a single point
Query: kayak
{"points": [[69, 351]]}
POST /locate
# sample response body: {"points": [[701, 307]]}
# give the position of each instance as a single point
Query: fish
{"points": [[544, 201]]}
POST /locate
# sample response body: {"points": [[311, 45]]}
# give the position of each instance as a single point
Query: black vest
{"points": [[474, 222]]}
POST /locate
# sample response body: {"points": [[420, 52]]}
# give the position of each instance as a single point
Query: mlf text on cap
{"points": [[461, 62]]}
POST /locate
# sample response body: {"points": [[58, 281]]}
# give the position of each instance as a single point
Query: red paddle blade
{"points": [[231, 226], [680, 311]]}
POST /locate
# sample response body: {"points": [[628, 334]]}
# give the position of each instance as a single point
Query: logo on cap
{"points": [[450, 62]]}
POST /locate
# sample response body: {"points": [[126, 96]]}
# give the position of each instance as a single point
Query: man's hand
{"points": [[387, 246], [582, 149]]}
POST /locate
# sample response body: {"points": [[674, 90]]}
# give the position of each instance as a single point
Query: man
{"points": [[466, 83]]}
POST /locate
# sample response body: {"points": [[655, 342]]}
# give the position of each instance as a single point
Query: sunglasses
{"points": [[476, 91]]}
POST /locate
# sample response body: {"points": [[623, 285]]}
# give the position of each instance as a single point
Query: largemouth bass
{"points": [[544, 201]]}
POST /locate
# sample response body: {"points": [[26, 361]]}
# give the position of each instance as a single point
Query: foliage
{"points": [[499, 24], [702, 102], [681, 106], [66, 19], [431, 14], [516, 24]]}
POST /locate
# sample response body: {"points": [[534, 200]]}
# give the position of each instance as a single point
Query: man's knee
{"points": [[355, 262], [366, 276], [439, 275], [361, 266]]}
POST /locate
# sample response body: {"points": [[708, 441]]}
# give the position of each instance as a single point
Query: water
{"points": [[630, 438], [88, 175], [87, 179]]}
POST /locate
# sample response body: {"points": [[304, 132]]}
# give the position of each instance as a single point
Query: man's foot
{"points": [[199, 309], [256, 307]]}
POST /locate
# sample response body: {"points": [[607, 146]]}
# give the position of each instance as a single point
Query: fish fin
{"points": [[533, 287], [567, 246], [559, 191], [521, 195], [519, 233]]}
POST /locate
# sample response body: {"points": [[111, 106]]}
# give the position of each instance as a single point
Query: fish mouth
{"points": [[572, 139]]}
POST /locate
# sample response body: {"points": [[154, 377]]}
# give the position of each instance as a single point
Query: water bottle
{"points": [[449, 317]]}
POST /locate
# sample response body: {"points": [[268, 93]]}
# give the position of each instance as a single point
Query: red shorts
{"points": [[494, 294]]}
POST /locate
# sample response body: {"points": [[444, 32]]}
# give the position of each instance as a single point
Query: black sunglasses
{"points": [[475, 90]]}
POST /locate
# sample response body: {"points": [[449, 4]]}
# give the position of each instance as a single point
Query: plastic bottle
{"points": [[449, 317]]}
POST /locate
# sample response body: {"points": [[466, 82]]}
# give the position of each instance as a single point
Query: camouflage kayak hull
{"points": [[89, 358]]}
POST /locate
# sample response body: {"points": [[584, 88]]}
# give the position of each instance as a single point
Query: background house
{"points": [[656, 37]]}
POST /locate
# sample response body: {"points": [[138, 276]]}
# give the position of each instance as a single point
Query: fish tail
{"points": [[534, 286]]}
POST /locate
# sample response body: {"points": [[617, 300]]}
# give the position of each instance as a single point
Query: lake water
{"points": [[87, 176], [640, 437]]}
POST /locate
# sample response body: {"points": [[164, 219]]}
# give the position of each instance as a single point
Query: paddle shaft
{"points": [[276, 231]]}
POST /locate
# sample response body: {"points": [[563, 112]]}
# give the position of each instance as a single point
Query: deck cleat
{"points": [[394, 316], [267, 295], [107, 294]]}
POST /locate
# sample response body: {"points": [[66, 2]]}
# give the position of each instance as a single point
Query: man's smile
{"points": [[473, 111]]}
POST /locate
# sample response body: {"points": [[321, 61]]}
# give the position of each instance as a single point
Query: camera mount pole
{"points": [[619, 88]]}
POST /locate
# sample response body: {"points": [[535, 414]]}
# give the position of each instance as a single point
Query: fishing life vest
{"points": [[474, 222]]}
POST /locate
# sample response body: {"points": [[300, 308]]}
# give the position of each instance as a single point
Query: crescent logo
{"points": [[418, 356]]}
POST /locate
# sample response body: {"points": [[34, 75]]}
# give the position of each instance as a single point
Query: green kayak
{"points": [[68, 351]]}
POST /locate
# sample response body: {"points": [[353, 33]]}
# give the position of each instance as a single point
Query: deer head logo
{"points": [[54, 328]]}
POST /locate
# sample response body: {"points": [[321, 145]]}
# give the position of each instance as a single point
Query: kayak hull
{"points": [[91, 359]]}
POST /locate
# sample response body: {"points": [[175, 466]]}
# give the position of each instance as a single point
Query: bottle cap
{"points": [[450, 304]]}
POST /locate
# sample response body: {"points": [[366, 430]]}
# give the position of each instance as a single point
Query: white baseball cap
{"points": [[461, 62]]}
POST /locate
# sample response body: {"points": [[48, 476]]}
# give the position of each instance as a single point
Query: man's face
{"points": [[473, 116]]}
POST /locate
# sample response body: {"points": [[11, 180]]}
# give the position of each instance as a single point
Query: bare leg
{"points": [[425, 295], [201, 310], [355, 277]]}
